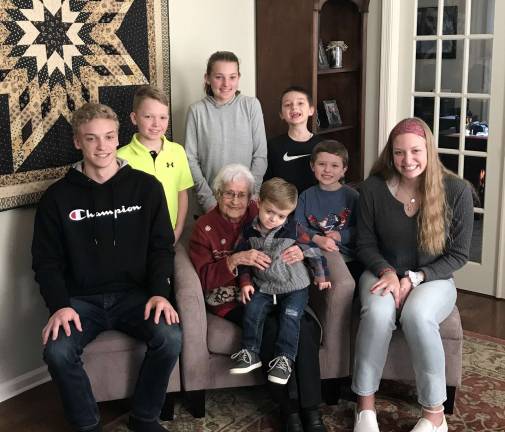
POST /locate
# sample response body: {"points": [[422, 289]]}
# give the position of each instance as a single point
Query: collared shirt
{"points": [[170, 167]]}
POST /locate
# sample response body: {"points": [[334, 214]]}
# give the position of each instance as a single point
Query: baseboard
{"points": [[23, 383]]}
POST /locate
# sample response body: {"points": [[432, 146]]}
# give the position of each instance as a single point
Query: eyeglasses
{"points": [[241, 196]]}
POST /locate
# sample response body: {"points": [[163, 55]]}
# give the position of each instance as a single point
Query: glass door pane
{"points": [[454, 43]]}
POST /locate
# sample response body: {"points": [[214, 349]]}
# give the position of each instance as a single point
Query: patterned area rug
{"points": [[480, 404]]}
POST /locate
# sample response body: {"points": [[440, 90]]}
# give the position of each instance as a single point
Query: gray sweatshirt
{"points": [[217, 135], [387, 237]]}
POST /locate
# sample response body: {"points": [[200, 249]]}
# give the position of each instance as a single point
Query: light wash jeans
{"points": [[427, 305]]}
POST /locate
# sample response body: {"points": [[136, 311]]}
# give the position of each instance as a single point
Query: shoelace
{"points": [[281, 363], [242, 355]]}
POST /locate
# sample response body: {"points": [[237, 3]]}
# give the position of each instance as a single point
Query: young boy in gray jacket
{"points": [[281, 284]]}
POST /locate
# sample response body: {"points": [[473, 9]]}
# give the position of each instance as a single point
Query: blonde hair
{"points": [[434, 213], [149, 92], [280, 193], [90, 111]]}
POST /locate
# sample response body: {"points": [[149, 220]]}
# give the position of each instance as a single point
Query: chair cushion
{"points": [[451, 328], [223, 336]]}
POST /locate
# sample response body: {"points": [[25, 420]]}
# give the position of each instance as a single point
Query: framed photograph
{"points": [[427, 26], [322, 60], [332, 113]]}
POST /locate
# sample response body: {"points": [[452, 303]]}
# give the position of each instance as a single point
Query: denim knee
{"points": [[378, 317], [166, 340], [61, 353], [417, 320]]}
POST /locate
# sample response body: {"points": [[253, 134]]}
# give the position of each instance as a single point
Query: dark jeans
{"points": [[122, 311], [290, 308], [303, 389]]}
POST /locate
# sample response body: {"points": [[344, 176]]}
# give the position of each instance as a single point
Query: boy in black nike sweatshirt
{"points": [[103, 257]]}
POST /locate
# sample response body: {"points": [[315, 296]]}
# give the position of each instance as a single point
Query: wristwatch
{"points": [[415, 277]]}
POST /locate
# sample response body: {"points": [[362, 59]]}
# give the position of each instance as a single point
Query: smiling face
{"points": [[328, 169], [223, 80], [295, 108], [409, 155], [151, 119], [232, 200], [98, 140], [271, 216]]}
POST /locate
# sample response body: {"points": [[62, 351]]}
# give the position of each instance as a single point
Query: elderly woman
{"points": [[414, 230], [212, 253]]}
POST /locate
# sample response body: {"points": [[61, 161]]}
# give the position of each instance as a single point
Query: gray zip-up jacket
{"points": [[281, 278]]}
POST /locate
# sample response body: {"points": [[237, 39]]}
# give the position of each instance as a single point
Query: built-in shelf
{"points": [[322, 131], [336, 70]]}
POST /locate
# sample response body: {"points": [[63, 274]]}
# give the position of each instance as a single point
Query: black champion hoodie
{"points": [[92, 238]]}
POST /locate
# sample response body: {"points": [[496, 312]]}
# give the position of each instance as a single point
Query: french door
{"points": [[451, 73]]}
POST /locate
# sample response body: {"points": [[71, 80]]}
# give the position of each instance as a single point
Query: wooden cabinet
{"points": [[287, 41]]}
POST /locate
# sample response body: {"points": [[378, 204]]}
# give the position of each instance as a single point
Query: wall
{"points": [[215, 26], [197, 28], [373, 60]]}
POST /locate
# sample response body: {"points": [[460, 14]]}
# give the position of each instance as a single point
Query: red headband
{"points": [[409, 125]]}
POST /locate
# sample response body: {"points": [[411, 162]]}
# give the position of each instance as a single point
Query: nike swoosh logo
{"points": [[287, 158]]}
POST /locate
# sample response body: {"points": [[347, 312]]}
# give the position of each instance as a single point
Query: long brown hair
{"points": [[434, 215], [226, 56]]}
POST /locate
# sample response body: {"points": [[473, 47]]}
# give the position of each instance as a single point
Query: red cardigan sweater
{"points": [[212, 240]]}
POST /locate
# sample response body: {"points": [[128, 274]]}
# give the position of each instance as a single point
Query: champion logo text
{"points": [[81, 214]]}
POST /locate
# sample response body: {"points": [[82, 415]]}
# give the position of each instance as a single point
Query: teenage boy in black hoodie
{"points": [[103, 257]]}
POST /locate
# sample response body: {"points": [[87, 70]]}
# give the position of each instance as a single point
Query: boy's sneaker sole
{"points": [[278, 380], [239, 371]]}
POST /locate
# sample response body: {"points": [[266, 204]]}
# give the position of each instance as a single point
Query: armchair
{"points": [[208, 340]]}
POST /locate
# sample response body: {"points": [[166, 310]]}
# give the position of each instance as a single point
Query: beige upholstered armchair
{"points": [[208, 340], [112, 362]]}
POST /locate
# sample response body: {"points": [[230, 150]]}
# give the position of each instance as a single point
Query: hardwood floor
{"points": [[482, 314], [40, 410]]}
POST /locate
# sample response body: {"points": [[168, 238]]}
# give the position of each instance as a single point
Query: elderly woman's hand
{"points": [[388, 283], [251, 257], [292, 255]]}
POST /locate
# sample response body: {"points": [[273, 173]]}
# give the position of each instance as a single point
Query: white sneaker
{"points": [[424, 425], [366, 421]]}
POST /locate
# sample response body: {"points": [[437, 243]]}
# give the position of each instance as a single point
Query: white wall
{"points": [[197, 29], [372, 83]]}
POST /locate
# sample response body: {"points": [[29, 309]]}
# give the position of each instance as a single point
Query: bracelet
{"points": [[386, 270]]}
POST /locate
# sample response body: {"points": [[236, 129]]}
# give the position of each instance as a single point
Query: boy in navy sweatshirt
{"points": [[103, 257]]}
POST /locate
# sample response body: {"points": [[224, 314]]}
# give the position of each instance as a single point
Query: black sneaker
{"points": [[280, 370], [245, 361]]}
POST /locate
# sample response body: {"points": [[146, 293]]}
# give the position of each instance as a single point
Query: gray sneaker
{"points": [[245, 361], [280, 370]]}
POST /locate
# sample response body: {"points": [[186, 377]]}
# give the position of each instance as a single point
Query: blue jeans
{"points": [[426, 306], [291, 306], [123, 311]]}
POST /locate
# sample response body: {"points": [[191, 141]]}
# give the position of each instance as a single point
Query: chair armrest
{"points": [[192, 315], [333, 308]]}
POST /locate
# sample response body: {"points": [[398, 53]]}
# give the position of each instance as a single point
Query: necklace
{"points": [[411, 204]]}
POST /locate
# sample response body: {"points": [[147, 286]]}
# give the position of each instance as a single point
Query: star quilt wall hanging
{"points": [[55, 55]]}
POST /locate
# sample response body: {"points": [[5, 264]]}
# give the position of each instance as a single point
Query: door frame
{"points": [[392, 108]]}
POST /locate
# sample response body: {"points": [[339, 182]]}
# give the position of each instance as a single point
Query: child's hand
{"points": [[324, 285], [245, 293], [335, 235], [325, 243]]}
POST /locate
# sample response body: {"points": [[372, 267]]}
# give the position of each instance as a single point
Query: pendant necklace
{"points": [[411, 204]]}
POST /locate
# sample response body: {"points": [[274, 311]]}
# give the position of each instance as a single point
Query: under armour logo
{"points": [[170, 164]]}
